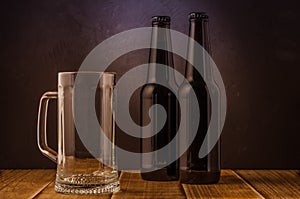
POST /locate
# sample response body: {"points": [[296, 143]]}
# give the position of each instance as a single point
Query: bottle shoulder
{"points": [[153, 89], [186, 88]]}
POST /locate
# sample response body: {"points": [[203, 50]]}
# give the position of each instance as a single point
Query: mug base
{"points": [[87, 189]]}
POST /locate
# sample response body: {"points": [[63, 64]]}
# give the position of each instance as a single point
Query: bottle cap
{"points": [[161, 19], [197, 16]]}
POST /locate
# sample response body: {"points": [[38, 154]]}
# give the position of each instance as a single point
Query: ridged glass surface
{"points": [[88, 184]]}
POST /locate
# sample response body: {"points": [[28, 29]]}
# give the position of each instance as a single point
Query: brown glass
{"points": [[195, 170], [152, 94]]}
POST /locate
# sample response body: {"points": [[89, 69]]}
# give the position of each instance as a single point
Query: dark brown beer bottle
{"points": [[195, 170], [156, 167]]}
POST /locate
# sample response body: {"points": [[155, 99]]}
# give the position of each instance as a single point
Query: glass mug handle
{"points": [[42, 126]]}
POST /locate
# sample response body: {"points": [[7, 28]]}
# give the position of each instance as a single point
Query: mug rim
{"points": [[86, 72]]}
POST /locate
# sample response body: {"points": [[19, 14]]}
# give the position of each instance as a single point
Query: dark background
{"points": [[255, 45]]}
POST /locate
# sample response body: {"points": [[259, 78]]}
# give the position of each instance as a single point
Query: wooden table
{"points": [[233, 184]]}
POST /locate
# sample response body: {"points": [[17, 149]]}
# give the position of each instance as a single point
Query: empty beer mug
{"points": [[85, 159]]}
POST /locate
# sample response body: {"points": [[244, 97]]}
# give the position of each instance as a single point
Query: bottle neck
{"points": [[160, 39], [197, 32]]}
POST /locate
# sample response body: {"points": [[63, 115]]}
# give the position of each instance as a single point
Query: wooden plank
{"points": [[269, 183], [8, 176], [133, 186], [49, 193], [24, 183], [274, 183], [229, 186]]}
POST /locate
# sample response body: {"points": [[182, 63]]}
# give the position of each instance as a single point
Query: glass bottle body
{"points": [[195, 170], [155, 167]]}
